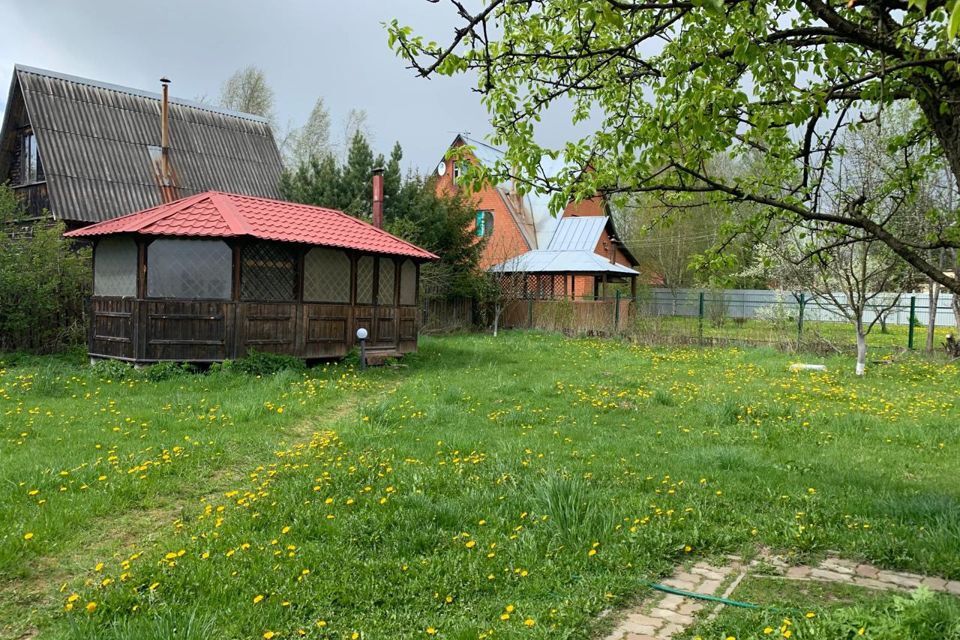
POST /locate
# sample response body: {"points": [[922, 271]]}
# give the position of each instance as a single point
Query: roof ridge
{"points": [[164, 211], [136, 92], [342, 214], [231, 215]]}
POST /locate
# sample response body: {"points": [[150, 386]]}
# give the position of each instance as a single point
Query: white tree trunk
{"points": [[861, 351], [496, 320], [934, 299], [956, 310]]}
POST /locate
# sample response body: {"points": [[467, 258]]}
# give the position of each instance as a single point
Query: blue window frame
{"points": [[483, 225]]}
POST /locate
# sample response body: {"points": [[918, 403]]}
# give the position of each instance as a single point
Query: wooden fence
{"points": [[442, 315], [603, 316]]}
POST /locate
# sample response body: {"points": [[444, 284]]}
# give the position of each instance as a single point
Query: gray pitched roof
{"points": [[578, 234], [94, 139], [547, 261]]}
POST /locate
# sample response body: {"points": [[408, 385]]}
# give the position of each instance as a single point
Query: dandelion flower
{"points": [[28, 536], [91, 607], [529, 622], [257, 598], [268, 634]]}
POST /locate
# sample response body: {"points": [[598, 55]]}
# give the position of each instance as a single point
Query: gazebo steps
{"points": [[378, 357]]}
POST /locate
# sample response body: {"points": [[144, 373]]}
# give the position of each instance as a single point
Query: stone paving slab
{"points": [[665, 615]]}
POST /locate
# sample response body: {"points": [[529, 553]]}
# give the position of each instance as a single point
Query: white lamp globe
{"points": [[361, 334]]}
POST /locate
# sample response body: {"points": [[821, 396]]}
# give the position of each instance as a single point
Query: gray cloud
{"points": [[337, 50]]}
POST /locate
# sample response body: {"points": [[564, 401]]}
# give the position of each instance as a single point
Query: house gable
{"points": [[99, 143], [510, 235]]}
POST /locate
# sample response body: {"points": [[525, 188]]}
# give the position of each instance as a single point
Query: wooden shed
{"points": [[215, 275]]}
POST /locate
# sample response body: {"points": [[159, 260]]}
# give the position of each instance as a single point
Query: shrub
{"points": [[167, 370], [258, 363], [44, 282], [113, 370]]}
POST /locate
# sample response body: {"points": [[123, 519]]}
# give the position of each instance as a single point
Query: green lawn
{"points": [[509, 487]]}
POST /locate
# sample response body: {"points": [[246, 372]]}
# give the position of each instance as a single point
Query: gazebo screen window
{"points": [[326, 276], [408, 283], [194, 269], [365, 280], [115, 267], [268, 272], [386, 294]]}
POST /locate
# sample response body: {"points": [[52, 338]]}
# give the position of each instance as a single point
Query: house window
{"points": [[32, 168], [408, 283], [115, 267], [190, 269], [386, 280], [326, 276], [483, 226], [268, 272], [365, 280]]}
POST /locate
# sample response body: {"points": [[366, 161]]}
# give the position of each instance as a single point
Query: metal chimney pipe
{"points": [[166, 179], [165, 114], [378, 197]]}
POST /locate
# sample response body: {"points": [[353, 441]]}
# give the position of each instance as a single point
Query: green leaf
{"points": [[954, 25]]}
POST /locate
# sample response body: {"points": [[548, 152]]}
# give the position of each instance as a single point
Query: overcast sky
{"points": [[307, 48]]}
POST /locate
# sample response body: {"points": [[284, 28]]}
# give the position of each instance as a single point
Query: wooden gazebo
{"points": [[215, 275]]}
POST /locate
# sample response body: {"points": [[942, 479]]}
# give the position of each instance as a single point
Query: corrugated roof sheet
{"points": [[546, 261], [578, 234], [94, 140], [223, 215]]}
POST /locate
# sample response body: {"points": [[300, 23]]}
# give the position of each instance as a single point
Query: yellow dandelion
{"points": [[28, 536], [268, 634], [529, 622], [257, 598], [91, 607]]}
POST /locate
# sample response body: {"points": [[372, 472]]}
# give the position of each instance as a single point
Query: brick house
{"points": [[521, 233]]}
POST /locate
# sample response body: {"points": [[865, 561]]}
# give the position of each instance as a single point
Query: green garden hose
{"points": [[702, 596]]}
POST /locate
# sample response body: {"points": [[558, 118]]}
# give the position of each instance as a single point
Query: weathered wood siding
{"points": [[209, 331]]}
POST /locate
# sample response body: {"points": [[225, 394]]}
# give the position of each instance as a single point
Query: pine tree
{"points": [[357, 192]]}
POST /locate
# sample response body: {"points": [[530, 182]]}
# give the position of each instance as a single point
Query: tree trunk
{"points": [[932, 316], [496, 319], [861, 351], [956, 311]]}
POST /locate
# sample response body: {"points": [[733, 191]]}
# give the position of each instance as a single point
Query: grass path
{"points": [[138, 503]]}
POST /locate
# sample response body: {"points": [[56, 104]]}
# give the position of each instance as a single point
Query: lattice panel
{"points": [[189, 269], [386, 284], [115, 267], [268, 272], [408, 283], [365, 280], [326, 276]]}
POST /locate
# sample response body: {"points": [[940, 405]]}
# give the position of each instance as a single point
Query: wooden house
{"points": [[215, 275], [83, 151], [572, 255]]}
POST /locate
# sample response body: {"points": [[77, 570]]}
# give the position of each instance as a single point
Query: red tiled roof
{"points": [[224, 215]]}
